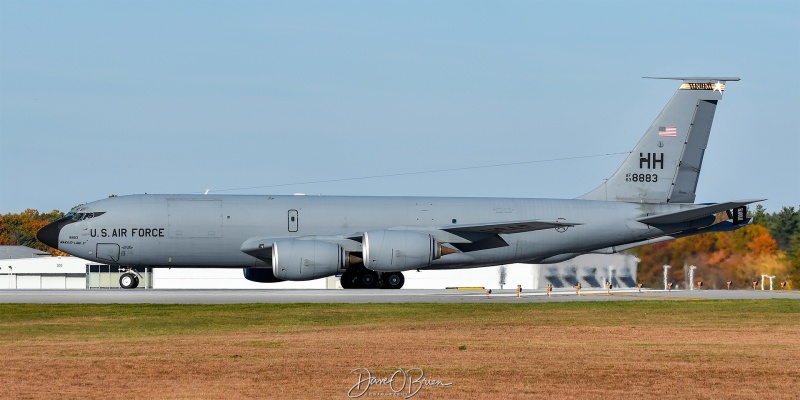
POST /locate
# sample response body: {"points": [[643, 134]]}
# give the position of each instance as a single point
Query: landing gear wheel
{"points": [[128, 281], [349, 281], [393, 280], [368, 280]]}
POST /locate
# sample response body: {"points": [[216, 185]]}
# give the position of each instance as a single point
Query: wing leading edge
{"points": [[510, 226]]}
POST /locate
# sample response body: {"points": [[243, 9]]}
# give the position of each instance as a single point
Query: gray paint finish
{"points": [[680, 130], [646, 200]]}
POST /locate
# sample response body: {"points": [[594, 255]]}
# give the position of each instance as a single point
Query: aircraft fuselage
{"points": [[209, 230]]}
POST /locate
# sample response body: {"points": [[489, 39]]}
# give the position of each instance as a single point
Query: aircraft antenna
{"points": [[433, 171]]}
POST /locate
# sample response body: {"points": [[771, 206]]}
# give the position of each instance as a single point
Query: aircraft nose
{"points": [[49, 234]]}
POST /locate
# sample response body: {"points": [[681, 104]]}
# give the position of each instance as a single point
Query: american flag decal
{"points": [[667, 131]]}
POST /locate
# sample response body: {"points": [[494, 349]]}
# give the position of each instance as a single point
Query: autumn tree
{"points": [[20, 229], [784, 226], [739, 256]]}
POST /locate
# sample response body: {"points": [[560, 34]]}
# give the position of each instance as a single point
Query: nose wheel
{"points": [[129, 279]]}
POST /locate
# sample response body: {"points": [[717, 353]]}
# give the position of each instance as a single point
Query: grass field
{"points": [[643, 349]]}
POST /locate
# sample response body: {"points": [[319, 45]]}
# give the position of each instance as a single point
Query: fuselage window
{"points": [[293, 217]]}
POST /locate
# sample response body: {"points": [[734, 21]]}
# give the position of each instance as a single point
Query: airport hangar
{"points": [[26, 268]]}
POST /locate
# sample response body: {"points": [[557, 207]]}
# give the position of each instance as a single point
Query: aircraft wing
{"points": [[509, 226], [261, 246], [694, 213]]}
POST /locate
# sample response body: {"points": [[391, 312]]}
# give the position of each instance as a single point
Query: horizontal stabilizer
{"points": [[694, 213], [724, 226], [510, 226]]}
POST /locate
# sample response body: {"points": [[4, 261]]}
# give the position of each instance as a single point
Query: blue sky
{"points": [[100, 98]]}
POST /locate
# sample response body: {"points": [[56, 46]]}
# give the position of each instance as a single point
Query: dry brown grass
{"points": [[588, 350]]}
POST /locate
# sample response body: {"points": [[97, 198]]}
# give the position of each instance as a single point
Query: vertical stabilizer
{"points": [[665, 165]]}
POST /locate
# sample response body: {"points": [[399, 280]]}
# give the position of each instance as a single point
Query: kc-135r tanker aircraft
{"points": [[370, 241]]}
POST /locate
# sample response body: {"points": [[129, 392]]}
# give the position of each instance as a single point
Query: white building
{"points": [[37, 270]]}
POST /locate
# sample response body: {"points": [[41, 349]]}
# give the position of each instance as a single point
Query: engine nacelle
{"points": [[263, 275], [303, 260], [391, 251]]}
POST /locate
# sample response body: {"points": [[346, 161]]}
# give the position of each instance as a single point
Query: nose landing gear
{"points": [[129, 278]]}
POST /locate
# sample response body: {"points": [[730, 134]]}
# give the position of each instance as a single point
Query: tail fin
{"points": [[665, 164]]}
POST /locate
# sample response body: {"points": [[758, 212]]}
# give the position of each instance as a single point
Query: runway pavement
{"points": [[191, 296]]}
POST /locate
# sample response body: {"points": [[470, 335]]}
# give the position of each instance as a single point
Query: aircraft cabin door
{"points": [[108, 251], [293, 221]]}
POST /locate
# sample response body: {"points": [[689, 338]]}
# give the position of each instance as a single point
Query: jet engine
{"points": [[390, 251], [302, 260]]}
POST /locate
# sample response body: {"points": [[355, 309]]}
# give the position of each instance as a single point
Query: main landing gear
{"points": [[362, 278], [129, 278]]}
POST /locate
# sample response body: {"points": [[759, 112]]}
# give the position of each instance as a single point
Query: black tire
{"points": [[368, 280], [349, 281], [393, 280], [128, 281]]}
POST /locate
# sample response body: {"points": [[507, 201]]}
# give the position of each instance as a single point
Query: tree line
{"points": [[20, 229], [771, 246]]}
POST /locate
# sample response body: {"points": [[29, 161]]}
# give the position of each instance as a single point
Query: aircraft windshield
{"points": [[83, 216]]}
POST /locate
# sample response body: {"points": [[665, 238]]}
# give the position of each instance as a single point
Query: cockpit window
{"points": [[83, 216]]}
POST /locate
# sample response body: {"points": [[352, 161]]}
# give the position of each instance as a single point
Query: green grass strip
{"points": [[74, 321]]}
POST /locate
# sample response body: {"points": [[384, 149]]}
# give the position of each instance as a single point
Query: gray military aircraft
{"points": [[370, 241]]}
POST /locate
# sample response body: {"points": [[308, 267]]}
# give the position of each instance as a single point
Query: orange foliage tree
{"points": [[20, 229], [740, 256]]}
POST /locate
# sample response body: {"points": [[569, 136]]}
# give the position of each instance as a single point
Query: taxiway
{"points": [[284, 296]]}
